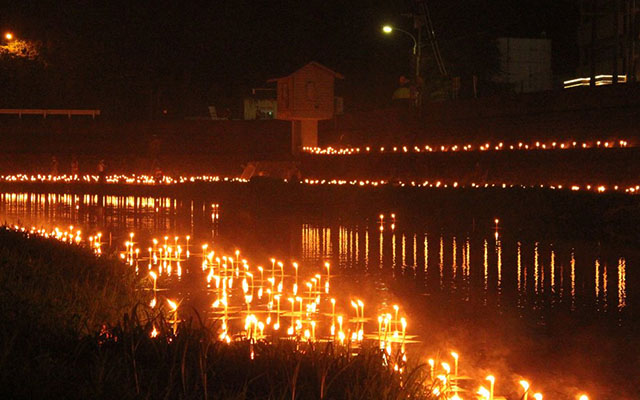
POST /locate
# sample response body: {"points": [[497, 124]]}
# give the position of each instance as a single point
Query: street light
{"points": [[388, 29], [8, 36]]}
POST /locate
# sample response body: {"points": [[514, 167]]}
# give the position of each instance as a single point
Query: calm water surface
{"points": [[490, 264], [525, 305]]}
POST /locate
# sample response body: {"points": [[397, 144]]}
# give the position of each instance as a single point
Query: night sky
{"points": [[124, 56]]}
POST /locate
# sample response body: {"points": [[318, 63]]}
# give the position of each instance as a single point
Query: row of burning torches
{"points": [[303, 318], [169, 180], [454, 185], [132, 179], [553, 145]]}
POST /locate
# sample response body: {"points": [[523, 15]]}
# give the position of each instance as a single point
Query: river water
{"points": [[558, 311]]}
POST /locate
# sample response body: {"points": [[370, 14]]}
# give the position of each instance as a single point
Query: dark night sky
{"points": [[192, 54]]}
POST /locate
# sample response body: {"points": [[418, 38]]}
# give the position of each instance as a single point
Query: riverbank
{"points": [[53, 297], [569, 166]]}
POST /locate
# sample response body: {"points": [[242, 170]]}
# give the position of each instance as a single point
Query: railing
{"points": [[45, 112]]}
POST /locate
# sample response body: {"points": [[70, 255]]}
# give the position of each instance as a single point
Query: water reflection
{"points": [[116, 214], [573, 280], [622, 283], [490, 267], [536, 272]]}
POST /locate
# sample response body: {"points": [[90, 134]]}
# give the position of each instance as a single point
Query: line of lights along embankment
{"points": [[488, 146], [133, 179]]}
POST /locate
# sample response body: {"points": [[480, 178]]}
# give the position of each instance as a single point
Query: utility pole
{"points": [[417, 23], [422, 18], [592, 56], [634, 40], [616, 36]]}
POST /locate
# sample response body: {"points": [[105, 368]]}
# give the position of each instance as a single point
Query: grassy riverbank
{"points": [[60, 286], [52, 295], [74, 326]]}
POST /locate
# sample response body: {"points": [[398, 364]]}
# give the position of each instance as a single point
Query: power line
{"points": [[425, 15]]}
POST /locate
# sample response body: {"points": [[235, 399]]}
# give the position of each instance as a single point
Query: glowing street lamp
{"points": [[8, 36], [388, 29]]}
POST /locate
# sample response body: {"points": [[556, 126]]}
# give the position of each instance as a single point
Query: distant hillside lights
{"points": [[554, 145]]}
